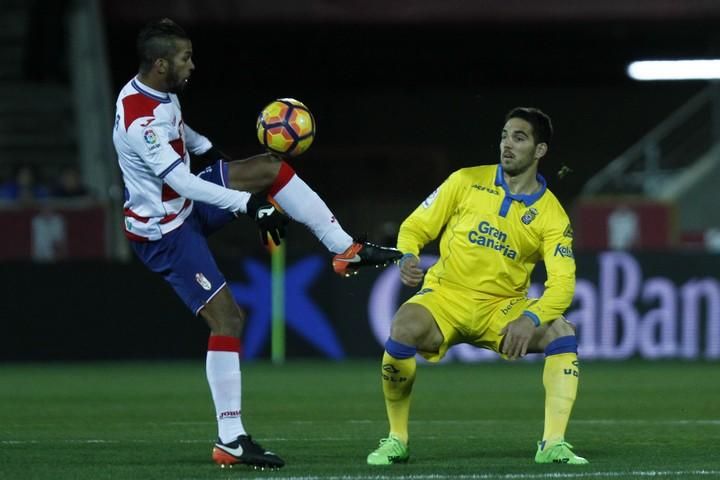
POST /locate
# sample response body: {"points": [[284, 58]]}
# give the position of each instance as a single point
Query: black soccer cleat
{"points": [[244, 450], [361, 254]]}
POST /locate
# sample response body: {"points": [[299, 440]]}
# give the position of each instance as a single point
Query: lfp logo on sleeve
{"points": [[151, 139]]}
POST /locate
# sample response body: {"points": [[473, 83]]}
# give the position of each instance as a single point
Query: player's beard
{"points": [[518, 169], [175, 83]]}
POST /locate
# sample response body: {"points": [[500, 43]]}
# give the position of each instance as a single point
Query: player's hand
{"points": [[270, 220], [410, 272], [517, 337]]}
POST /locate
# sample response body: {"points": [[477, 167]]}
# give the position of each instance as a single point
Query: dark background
{"points": [[404, 93], [406, 100]]}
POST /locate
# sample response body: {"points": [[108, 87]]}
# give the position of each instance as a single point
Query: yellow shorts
{"points": [[464, 318]]}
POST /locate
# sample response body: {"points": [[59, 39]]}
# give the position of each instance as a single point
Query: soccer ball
{"points": [[286, 126]]}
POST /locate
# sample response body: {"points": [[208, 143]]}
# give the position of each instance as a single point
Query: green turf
{"points": [[155, 421]]}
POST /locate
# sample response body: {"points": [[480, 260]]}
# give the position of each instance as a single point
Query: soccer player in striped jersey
{"points": [[169, 212], [497, 222]]}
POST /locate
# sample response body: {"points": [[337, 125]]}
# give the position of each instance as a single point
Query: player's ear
{"points": [[541, 150], [160, 65]]}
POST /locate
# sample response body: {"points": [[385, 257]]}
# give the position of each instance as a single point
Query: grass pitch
{"points": [[155, 421]]}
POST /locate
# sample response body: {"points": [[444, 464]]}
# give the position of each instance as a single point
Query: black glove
{"points": [[269, 219]]}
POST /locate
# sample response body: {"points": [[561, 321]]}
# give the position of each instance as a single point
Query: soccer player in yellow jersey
{"points": [[497, 222]]}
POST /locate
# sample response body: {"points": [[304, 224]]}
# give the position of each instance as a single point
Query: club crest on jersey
{"points": [[430, 199], [529, 216], [203, 281]]}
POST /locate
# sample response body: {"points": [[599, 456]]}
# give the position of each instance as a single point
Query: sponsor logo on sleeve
{"points": [[568, 231], [430, 199], [564, 251], [151, 139]]}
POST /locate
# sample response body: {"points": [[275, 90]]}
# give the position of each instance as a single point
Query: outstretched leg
{"points": [[269, 173], [301, 203]]}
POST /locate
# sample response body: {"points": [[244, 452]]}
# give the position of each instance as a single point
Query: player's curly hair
{"points": [[157, 40]]}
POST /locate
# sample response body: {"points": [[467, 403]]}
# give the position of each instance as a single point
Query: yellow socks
{"points": [[398, 376], [560, 378]]}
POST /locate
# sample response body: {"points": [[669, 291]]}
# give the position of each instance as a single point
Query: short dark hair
{"points": [[157, 40], [539, 120]]}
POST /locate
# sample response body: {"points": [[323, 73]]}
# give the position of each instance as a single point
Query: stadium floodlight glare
{"points": [[708, 69]]}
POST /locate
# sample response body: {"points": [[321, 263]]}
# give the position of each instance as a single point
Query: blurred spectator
{"points": [[712, 240], [70, 184], [23, 186], [623, 228], [49, 236]]}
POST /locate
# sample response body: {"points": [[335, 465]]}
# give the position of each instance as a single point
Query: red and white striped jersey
{"points": [[151, 140]]}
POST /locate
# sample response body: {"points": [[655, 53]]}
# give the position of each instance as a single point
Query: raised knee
{"points": [[269, 171], [254, 175]]}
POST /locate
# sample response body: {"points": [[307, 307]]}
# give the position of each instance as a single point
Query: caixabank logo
{"points": [[620, 311], [303, 315], [624, 306]]}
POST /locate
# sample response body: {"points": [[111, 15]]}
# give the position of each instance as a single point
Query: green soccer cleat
{"points": [[559, 452], [391, 450]]}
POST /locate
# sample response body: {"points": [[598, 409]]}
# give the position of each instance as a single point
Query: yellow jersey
{"points": [[493, 239]]}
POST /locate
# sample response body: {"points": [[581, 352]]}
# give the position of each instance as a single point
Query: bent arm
{"points": [[196, 144], [189, 186], [560, 266]]}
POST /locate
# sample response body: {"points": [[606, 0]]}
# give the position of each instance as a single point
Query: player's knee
{"points": [[560, 328], [233, 324], [267, 172], [229, 323], [413, 326], [405, 332], [254, 175], [408, 328]]}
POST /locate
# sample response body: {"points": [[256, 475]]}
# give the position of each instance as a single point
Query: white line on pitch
{"points": [[513, 476]]}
